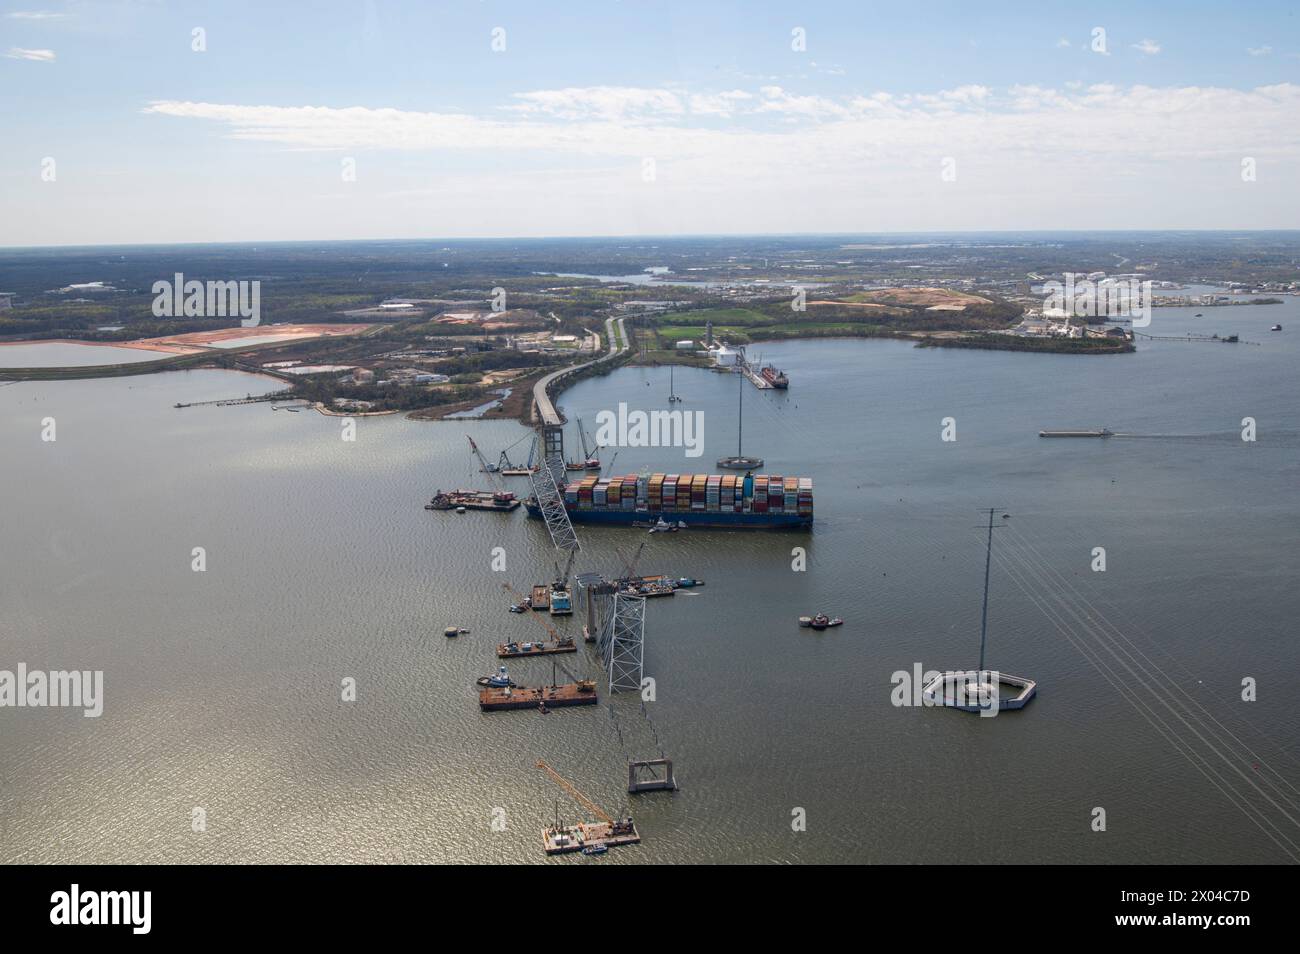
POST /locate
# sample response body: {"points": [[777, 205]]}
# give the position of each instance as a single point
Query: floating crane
{"points": [[589, 459], [499, 493], [561, 603], [629, 566], [483, 465], [506, 468], [588, 838], [578, 797]]}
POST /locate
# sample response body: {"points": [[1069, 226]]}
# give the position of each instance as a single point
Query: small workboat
{"points": [[1276, 328], [460, 510], [451, 631], [597, 849], [686, 582], [498, 680], [522, 607], [820, 621]]}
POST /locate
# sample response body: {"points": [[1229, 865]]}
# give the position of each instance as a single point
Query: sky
{"points": [[141, 121]]}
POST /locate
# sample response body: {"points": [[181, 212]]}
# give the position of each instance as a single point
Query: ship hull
{"points": [[700, 519]]}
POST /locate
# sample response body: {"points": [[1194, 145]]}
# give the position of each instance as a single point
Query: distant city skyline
{"points": [[479, 120]]}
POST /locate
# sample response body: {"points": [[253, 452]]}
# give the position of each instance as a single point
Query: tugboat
{"points": [[523, 606], [498, 680], [820, 621], [1276, 328]]}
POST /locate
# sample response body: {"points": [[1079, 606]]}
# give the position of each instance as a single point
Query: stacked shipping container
{"points": [[699, 493]]}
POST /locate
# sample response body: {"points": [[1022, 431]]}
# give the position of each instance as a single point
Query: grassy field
{"points": [[719, 316]]}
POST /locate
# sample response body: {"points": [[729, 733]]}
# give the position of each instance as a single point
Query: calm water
{"points": [[223, 686], [58, 354]]}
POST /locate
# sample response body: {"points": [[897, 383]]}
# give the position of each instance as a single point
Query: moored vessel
{"points": [[721, 501]]}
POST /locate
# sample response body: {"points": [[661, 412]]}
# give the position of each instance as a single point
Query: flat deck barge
{"points": [[472, 500], [553, 697], [569, 838], [541, 598], [515, 650]]}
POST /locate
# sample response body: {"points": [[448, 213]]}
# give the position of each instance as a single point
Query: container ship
{"points": [[725, 501], [774, 377]]}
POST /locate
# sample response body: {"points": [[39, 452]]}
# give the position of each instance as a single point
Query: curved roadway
{"points": [[542, 400]]}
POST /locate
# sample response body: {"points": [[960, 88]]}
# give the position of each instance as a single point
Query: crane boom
{"points": [[580, 798], [582, 438], [484, 466], [549, 628]]}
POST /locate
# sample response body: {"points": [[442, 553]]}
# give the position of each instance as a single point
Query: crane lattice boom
{"points": [[580, 798]]}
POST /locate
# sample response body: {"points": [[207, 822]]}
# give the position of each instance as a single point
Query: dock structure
{"points": [[755, 378], [595, 590], [650, 775]]}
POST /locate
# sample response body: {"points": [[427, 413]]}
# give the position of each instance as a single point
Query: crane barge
{"points": [[590, 838]]}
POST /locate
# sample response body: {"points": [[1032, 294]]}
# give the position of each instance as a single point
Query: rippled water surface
{"points": [[223, 686]]}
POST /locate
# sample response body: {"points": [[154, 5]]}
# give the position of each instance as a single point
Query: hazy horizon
{"points": [[681, 236]]}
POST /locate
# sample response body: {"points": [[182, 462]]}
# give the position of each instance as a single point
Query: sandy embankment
{"points": [[195, 341]]}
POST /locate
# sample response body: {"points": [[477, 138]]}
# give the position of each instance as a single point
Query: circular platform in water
{"points": [[972, 692]]}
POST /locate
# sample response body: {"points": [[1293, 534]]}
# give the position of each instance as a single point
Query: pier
{"points": [[231, 402], [755, 378]]}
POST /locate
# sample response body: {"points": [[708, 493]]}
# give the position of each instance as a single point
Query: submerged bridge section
{"points": [[548, 481], [617, 623]]}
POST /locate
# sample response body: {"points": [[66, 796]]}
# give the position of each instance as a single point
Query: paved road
{"points": [[546, 411]]}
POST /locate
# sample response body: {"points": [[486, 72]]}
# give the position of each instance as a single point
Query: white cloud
{"points": [[35, 15], [1063, 44], [604, 102], [718, 104], [1021, 124], [1259, 50], [39, 56], [1147, 47]]}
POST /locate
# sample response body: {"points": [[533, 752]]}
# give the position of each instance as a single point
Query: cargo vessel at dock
{"points": [[720, 501]]}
